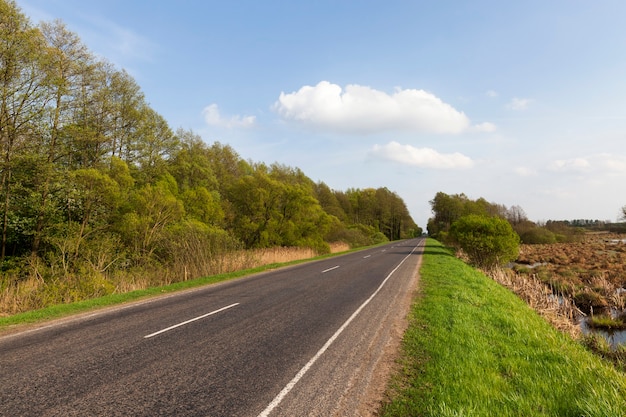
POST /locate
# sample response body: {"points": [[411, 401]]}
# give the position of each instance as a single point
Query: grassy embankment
{"points": [[475, 349]]}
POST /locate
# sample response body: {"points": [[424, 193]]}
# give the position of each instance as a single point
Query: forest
{"points": [[94, 184]]}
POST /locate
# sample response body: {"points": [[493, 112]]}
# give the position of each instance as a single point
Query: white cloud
{"points": [[421, 157], [613, 163], [519, 103], [492, 94], [484, 127], [361, 109], [213, 117], [570, 165], [598, 163], [525, 172]]}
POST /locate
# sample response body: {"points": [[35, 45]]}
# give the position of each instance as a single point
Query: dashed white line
{"points": [[190, 321], [330, 269], [366, 256], [281, 395]]}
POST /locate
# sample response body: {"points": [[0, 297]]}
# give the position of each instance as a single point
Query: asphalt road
{"points": [[307, 340]]}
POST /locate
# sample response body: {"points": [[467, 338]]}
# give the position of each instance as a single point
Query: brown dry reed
{"points": [[557, 309], [37, 284]]}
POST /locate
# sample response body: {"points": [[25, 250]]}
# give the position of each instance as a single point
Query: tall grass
{"points": [[36, 285], [473, 348]]}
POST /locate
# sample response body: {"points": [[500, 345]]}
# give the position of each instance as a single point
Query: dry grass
{"points": [[558, 310], [28, 290]]}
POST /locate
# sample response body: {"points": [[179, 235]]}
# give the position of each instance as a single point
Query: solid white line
{"points": [[189, 321], [330, 269], [281, 395]]}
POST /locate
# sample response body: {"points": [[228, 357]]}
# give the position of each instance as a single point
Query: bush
{"points": [[487, 241], [537, 235]]}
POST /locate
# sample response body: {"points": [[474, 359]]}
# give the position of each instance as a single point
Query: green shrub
{"points": [[488, 241], [537, 235]]}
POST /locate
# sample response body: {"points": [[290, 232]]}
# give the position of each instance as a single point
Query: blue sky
{"points": [[520, 102]]}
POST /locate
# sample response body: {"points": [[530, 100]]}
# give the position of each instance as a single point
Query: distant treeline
{"points": [[449, 208], [592, 225], [94, 181]]}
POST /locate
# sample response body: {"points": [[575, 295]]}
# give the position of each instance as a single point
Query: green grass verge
{"points": [[475, 349]]}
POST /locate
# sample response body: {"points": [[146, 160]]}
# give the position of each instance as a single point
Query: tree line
{"points": [[447, 209], [94, 181]]}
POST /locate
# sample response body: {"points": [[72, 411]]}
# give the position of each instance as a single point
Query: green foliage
{"points": [[379, 208], [537, 235], [449, 208], [150, 211], [272, 212], [488, 241], [197, 246], [563, 232]]}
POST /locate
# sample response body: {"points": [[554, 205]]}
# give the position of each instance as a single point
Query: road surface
{"points": [[307, 340]]}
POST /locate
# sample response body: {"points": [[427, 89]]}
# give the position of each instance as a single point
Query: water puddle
{"points": [[615, 338]]}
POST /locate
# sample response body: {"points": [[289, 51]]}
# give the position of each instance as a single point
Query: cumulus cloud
{"points": [[519, 103], [484, 127], [362, 109], [421, 157], [213, 117]]}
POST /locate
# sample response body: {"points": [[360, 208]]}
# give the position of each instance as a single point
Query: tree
{"points": [[516, 215], [329, 202], [66, 62], [446, 209], [488, 241], [154, 145], [23, 96], [192, 164], [92, 197], [151, 210]]}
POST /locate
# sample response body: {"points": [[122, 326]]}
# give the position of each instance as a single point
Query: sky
{"points": [[519, 102]]}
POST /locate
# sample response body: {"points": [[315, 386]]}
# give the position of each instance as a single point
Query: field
{"points": [[591, 272]]}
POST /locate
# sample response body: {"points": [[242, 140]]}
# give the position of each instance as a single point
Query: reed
{"points": [[37, 285], [558, 309]]}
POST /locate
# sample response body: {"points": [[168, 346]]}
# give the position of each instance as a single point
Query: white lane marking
{"points": [[281, 395], [330, 269], [367, 256], [190, 321]]}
